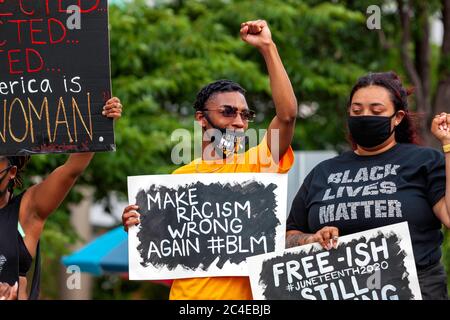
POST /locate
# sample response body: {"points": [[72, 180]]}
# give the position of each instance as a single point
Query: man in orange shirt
{"points": [[222, 106]]}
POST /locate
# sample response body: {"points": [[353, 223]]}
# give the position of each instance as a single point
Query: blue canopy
{"points": [[107, 253]]}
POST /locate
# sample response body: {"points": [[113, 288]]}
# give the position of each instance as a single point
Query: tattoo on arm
{"points": [[295, 240]]}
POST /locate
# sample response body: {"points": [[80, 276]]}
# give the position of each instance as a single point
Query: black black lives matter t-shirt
{"points": [[356, 193]]}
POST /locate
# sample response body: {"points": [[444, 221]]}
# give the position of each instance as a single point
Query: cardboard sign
{"points": [[200, 225], [377, 264], [55, 77]]}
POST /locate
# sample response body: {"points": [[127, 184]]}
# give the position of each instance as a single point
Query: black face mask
{"points": [[230, 142], [370, 131]]}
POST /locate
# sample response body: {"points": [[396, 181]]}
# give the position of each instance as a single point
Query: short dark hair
{"points": [[211, 89]]}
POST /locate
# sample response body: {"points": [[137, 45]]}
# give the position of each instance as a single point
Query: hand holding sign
{"points": [[52, 87], [130, 217], [8, 292], [193, 226], [327, 237], [113, 108], [376, 264]]}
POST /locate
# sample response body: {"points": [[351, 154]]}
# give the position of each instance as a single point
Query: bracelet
{"points": [[446, 148]]}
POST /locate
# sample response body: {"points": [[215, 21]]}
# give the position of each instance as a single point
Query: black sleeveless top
{"points": [[25, 258], [15, 259], [9, 244]]}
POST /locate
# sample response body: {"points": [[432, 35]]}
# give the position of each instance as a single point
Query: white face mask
{"points": [[230, 142]]}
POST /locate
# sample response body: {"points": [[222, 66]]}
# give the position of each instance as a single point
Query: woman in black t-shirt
{"points": [[30, 210], [386, 179]]}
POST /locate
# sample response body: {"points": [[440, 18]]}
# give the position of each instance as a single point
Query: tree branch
{"points": [[446, 21], [422, 54], [405, 21], [443, 91]]}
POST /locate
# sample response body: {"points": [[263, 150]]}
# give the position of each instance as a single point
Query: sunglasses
{"points": [[232, 112]]}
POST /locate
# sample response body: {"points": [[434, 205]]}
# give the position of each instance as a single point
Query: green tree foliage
{"points": [[162, 55]]}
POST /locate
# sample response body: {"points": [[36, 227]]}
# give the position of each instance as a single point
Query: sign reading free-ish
{"points": [[54, 76], [376, 264], [200, 225]]}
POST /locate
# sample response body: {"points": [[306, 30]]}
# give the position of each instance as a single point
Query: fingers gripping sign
{"points": [[130, 217], [113, 108], [327, 237], [8, 292]]}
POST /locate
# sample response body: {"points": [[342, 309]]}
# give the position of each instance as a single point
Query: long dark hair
{"points": [[406, 131]]}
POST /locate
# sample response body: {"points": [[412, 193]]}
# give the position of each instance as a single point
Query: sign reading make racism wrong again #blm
{"points": [[200, 225], [54, 77], [377, 264]]}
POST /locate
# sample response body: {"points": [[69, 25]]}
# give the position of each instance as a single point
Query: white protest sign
{"points": [[377, 264], [201, 225]]}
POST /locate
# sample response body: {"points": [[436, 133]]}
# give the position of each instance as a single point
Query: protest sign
{"points": [[199, 225], [377, 264], [54, 77]]}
